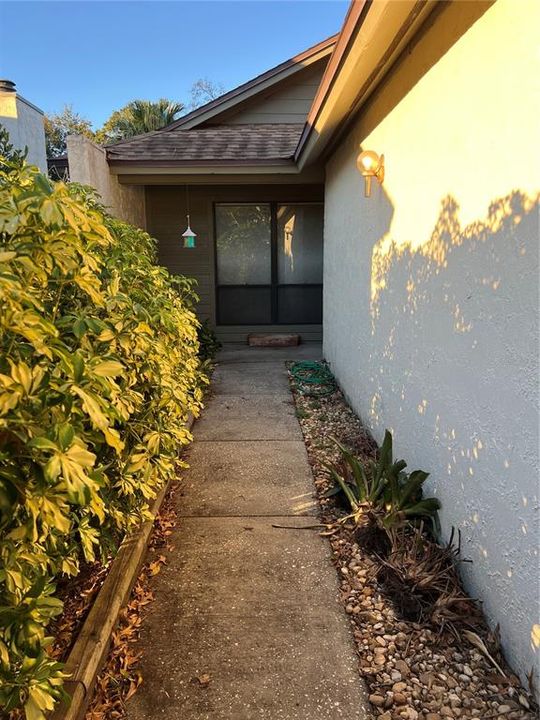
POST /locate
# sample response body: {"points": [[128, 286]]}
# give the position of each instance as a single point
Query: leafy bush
{"points": [[209, 345], [98, 373], [383, 493]]}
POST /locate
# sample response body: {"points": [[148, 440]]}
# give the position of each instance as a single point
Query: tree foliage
{"points": [[10, 157], [98, 372], [62, 124], [204, 90], [137, 117]]}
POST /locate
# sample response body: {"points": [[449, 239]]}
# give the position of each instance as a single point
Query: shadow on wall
{"points": [[454, 353], [439, 253], [458, 289]]}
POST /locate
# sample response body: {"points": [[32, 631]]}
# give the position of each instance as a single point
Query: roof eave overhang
{"points": [[374, 34]]}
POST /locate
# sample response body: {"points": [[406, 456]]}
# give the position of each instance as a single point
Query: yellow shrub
{"points": [[98, 372]]}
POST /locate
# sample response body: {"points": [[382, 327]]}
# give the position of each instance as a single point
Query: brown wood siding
{"points": [[290, 102], [166, 221]]}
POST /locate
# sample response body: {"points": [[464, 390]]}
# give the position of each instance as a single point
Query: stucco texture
{"points": [[88, 166], [25, 124], [431, 293]]}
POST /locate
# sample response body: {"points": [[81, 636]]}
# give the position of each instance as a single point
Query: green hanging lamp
{"points": [[189, 236]]}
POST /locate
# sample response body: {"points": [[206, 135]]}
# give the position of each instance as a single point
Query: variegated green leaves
{"points": [[98, 372]]}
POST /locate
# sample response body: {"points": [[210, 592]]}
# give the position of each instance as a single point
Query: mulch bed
{"points": [[78, 594], [120, 677], [414, 669]]}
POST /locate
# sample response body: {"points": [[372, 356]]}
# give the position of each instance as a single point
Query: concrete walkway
{"points": [[249, 607]]}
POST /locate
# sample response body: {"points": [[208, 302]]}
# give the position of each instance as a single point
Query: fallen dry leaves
{"points": [[78, 595], [204, 680], [120, 678]]}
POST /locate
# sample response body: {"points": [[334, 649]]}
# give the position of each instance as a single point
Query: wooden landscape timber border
{"points": [[92, 645]]}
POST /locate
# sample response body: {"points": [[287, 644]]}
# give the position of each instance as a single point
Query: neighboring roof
{"points": [[254, 86], [231, 144]]}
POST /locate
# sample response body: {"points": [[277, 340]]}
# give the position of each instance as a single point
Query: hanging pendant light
{"points": [[189, 236]]}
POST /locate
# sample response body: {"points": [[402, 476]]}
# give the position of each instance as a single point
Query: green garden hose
{"points": [[312, 379]]}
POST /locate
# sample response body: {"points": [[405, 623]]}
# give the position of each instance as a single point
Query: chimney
{"points": [[7, 86]]}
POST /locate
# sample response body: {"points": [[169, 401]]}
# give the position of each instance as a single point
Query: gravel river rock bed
{"points": [[413, 671]]}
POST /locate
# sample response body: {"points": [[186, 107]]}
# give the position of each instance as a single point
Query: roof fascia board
{"points": [[312, 176], [253, 87], [139, 168], [31, 105], [374, 34], [351, 24]]}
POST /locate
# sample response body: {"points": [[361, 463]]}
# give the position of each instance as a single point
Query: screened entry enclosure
{"points": [[269, 263]]}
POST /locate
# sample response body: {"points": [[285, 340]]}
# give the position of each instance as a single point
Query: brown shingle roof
{"points": [[218, 144]]}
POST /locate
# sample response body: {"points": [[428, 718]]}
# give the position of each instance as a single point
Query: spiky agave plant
{"points": [[382, 492]]}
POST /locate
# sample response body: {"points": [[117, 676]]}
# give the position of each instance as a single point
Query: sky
{"points": [[97, 56]]}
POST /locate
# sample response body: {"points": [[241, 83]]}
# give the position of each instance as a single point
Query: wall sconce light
{"points": [[370, 166], [189, 236]]}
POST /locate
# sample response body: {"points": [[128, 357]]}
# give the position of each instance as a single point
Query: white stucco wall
{"points": [[431, 297], [25, 124], [88, 165]]}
